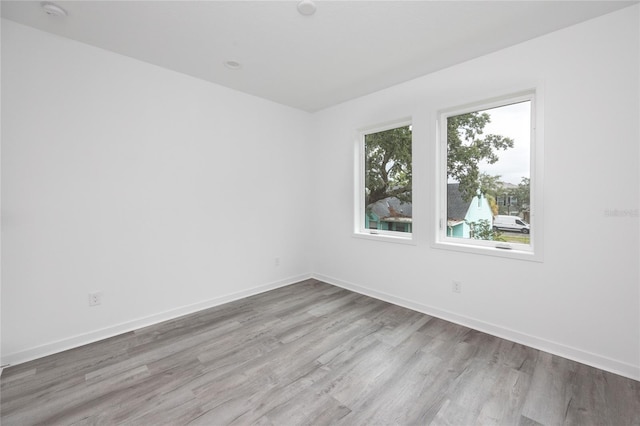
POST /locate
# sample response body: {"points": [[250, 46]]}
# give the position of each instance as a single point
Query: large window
{"points": [[486, 179], [385, 183]]}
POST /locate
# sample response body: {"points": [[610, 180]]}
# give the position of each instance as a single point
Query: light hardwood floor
{"points": [[314, 354]]}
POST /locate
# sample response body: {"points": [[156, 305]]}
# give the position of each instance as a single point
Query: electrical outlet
{"points": [[95, 298], [276, 261], [456, 286]]}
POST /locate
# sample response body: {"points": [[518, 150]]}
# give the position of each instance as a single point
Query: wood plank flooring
{"points": [[312, 354]]}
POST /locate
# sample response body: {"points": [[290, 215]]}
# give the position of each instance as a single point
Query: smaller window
{"points": [[384, 187]]}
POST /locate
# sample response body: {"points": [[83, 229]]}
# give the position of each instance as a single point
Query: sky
{"points": [[513, 121]]}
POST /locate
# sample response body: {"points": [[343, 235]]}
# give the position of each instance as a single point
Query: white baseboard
{"points": [[104, 333], [584, 357], [604, 363]]}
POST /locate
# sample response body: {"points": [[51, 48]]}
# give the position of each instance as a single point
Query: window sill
{"points": [[512, 253], [387, 238]]}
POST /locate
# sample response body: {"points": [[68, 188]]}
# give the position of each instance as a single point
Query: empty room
{"points": [[209, 212]]}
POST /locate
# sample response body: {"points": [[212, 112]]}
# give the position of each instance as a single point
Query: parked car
{"points": [[510, 223]]}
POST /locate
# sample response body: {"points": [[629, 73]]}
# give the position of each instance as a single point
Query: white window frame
{"points": [[532, 251], [360, 183]]}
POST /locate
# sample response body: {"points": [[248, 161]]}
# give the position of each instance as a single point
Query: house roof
{"points": [[456, 206], [392, 208]]}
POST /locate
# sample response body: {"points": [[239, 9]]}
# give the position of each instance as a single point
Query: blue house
{"points": [[461, 213]]}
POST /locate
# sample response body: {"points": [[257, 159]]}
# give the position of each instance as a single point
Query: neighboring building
{"points": [[460, 213], [389, 214]]}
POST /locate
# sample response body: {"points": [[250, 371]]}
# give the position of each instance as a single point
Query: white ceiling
{"points": [[345, 50]]}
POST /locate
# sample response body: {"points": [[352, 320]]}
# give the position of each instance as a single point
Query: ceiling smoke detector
{"points": [[53, 9], [307, 7]]}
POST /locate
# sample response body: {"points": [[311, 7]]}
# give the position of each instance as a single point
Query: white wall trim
{"points": [[598, 361], [575, 354], [104, 333]]}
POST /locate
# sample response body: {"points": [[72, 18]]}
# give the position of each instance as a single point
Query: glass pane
{"points": [[388, 180], [488, 174]]}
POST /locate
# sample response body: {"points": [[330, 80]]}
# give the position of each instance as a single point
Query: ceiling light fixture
{"points": [[53, 9], [307, 7], [233, 65]]}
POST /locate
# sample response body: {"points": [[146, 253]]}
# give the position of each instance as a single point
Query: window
{"points": [[384, 187], [486, 178]]}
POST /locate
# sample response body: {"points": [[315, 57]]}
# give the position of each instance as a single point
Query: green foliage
{"points": [[482, 230], [490, 187], [388, 159], [490, 184], [523, 192], [468, 146], [493, 204], [388, 165]]}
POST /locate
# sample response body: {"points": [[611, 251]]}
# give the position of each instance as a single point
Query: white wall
{"points": [[166, 193], [583, 300], [1, 360], [170, 194]]}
